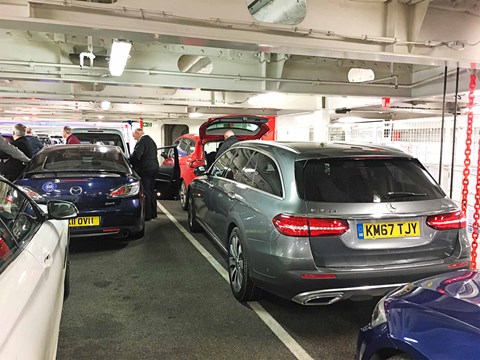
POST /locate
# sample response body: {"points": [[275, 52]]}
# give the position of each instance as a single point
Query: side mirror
{"points": [[200, 170], [59, 210]]}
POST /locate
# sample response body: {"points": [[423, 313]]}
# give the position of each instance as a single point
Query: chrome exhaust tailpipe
{"points": [[122, 234], [331, 296], [322, 299]]}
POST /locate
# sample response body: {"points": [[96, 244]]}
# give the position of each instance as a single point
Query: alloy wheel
{"points": [[183, 195], [235, 263]]}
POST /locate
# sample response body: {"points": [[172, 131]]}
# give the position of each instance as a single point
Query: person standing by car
{"points": [[34, 141], [145, 163], [230, 139], [69, 137], [7, 151], [13, 167]]}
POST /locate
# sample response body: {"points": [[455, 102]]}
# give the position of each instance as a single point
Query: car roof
{"points": [[97, 130], [328, 149], [63, 147]]}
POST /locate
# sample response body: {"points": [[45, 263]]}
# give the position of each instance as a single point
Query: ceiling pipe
{"points": [[100, 79], [88, 54], [31, 64]]}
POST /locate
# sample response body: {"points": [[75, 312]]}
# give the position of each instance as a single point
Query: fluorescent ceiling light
{"points": [[105, 105], [356, 75], [119, 56], [195, 115]]}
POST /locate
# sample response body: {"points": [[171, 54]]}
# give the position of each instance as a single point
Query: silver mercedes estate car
{"points": [[320, 222]]}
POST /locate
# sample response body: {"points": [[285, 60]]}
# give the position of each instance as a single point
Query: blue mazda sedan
{"points": [[434, 318], [98, 179]]}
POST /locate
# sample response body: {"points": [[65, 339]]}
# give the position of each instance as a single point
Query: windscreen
{"points": [[365, 180], [80, 159]]}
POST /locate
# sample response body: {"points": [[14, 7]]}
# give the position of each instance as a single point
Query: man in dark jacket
{"points": [[34, 141], [8, 151], [145, 163], [13, 167], [230, 139]]}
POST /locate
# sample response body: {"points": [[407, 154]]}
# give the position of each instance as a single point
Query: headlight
{"points": [[125, 190], [379, 315]]}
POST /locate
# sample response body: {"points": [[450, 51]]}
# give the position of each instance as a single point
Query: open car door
{"points": [[245, 127], [168, 177]]}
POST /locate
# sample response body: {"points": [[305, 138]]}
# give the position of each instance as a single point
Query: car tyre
{"points": [[183, 196], [138, 235], [400, 357], [193, 224], [238, 270]]}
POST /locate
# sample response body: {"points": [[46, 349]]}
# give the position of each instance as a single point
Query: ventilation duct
{"points": [[195, 64], [285, 12]]}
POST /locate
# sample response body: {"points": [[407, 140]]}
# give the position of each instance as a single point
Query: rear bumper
{"points": [[348, 284], [119, 222]]}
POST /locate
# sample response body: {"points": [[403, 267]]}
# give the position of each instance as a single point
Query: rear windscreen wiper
{"points": [[402, 194]]}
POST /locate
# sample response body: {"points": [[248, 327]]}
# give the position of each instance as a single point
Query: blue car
{"points": [[98, 179], [434, 318]]}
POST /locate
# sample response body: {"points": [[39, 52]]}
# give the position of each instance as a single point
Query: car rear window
{"points": [[77, 159], [365, 180], [240, 129]]}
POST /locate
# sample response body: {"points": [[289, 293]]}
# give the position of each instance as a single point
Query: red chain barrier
{"points": [[466, 172]]}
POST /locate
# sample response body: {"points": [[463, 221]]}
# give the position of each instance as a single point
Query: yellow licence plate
{"points": [[388, 230], [85, 221]]}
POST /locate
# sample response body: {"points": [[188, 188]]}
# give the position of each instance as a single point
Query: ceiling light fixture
{"points": [[195, 115], [119, 55], [356, 75], [105, 105]]}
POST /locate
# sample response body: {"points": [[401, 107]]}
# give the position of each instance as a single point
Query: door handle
{"points": [[47, 260], [210, 185], [231, 195]]}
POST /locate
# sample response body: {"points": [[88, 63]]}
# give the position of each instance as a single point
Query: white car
{"points": [[103, 136], [33, 273]]}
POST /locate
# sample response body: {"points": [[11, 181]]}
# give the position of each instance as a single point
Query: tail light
{"points": [[304, 226], [4, 249], [126, 190], [196, 163], [449, 221]]}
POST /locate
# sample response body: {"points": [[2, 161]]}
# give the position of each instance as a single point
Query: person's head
{"points": [[137, 133], [227, 134], [67, 131], [19, 130], [29, 131]]}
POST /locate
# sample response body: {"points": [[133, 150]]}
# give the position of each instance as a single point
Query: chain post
{"points": [[476, 214]]}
